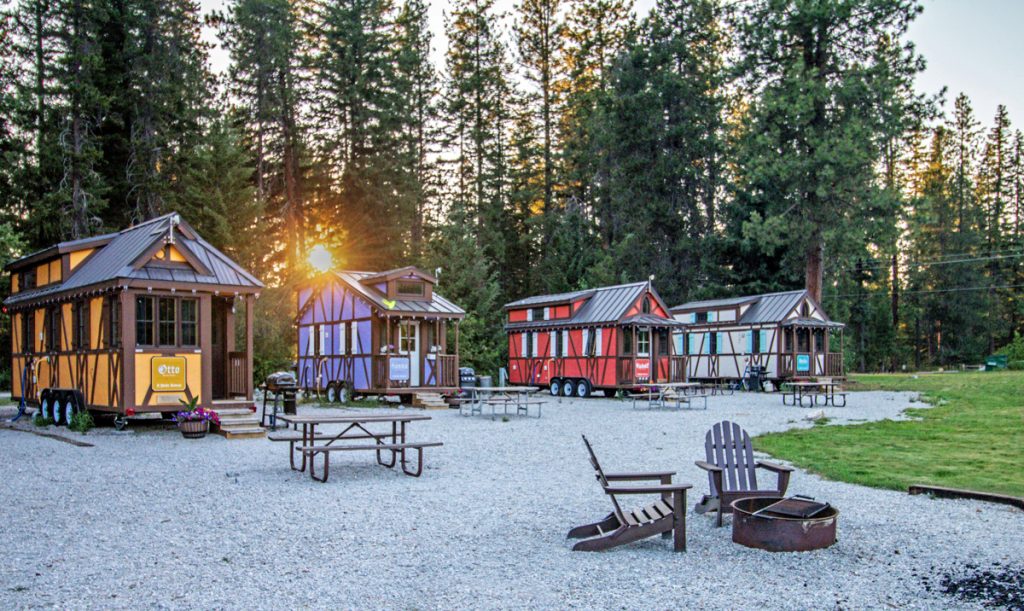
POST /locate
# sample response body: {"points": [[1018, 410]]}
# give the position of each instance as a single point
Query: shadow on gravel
{"points": [[997, 586]]}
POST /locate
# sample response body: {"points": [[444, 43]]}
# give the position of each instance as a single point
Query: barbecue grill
{"points": [[283, 386]]}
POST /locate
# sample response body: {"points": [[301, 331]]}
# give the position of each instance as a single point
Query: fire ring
{"points": [[776, 524]]}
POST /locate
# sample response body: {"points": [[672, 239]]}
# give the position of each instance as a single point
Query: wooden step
{"points": [[429, 400], [243, 433]]}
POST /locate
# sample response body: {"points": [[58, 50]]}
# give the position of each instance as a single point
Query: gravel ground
{"points": [[148, 519]]}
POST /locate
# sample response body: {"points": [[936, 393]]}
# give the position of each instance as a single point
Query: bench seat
{"points": [[396, 449]]}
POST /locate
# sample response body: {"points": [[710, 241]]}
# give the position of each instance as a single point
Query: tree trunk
{"points": [[814, 270]]}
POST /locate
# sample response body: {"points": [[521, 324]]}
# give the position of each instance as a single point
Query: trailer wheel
{"points": [[70, 409], [568, 388], [610, 393], [46, 403], [583, 388], [59, 400], [120, 422], [331, 393], [556, 387]]}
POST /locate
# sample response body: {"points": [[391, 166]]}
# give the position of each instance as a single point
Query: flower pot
{"points": [[194, 429]]}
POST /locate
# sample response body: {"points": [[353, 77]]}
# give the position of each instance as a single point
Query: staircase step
{"points": [[243, 433], [233, 411]]}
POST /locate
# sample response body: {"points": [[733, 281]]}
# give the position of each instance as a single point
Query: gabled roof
{"points": [[604, 305], [769, 308], [437, 306], [401, 272], [123, 254]]}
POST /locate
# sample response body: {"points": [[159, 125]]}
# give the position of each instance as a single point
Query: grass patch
{"points": [[973, 438]]}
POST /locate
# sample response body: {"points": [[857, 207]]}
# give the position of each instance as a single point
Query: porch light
{"points": [[320, 258]]}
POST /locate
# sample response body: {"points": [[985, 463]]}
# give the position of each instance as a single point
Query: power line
{"points": [[924, 291], [934, 262]]}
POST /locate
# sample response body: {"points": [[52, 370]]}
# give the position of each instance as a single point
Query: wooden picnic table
{"points": [[519, 396], [659, 392], [813, 390], [358, 427]]}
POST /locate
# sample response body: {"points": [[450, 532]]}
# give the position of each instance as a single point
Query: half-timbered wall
{"points": [[335, 337]]}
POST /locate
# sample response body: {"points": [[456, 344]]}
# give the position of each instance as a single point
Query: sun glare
{"points": [[320, 258]]}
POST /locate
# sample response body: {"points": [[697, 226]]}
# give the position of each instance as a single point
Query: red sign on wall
{"points": [[642, 369]]}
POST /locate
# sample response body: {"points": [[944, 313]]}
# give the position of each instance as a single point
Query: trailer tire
{"points": [[556, 387], [70, 408], [583, 388], [46, 403], [331, 392], [120, 422], [568, 388], [57, 409]]}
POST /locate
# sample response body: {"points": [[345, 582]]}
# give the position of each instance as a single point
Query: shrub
{"points": [[1015, 365], [38, 420], [5, 379], [1014, 351], [82, 422]]}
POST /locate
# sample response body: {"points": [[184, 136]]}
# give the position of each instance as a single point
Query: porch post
{"points": [[206, 348], [250, 318]]}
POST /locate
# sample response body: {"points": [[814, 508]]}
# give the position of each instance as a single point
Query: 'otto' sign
{"points": [[168, 373], [642, 369]]}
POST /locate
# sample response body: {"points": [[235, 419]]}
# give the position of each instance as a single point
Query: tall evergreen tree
{"points": [[808, 155]]}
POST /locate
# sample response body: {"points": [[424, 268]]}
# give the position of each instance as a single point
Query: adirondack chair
{"points": [[732, 470], [666, 517]]}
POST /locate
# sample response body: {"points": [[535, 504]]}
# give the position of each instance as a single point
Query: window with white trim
{"points": [[643, 341]]}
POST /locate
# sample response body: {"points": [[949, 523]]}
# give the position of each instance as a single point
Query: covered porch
{"points": [[412, 354], [806, 349], [647, 352]]}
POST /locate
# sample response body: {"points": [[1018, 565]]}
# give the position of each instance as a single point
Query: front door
{"points": [[218, 348], [409, 345]]}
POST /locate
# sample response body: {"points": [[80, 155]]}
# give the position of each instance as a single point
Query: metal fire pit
{"points": [[782, 529]]}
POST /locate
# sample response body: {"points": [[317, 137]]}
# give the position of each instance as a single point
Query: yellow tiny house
{"points": [[131, 322]]}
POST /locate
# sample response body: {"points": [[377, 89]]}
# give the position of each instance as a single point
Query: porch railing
{"points": [[833, 365], [677, 369], [237, 375], [445, 372]]}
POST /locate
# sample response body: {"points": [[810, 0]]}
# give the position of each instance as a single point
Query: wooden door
{"points": [[218, 356]]}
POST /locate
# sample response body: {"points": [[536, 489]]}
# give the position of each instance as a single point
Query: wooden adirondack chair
{"points": [[732, 470], [666, 516]]}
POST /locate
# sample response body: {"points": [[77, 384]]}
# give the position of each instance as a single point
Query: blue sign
{"points": [[398, 368], [803, 362]]}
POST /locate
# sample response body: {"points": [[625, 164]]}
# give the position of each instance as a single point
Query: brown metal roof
{"points": [[604, 305], [116, 262], [770, 308], [438, 305]]}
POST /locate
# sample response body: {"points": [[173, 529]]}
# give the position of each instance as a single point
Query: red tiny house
{"points": [[606, 338]]}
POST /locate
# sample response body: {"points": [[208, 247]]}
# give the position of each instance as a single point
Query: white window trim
{"points": [[551, 341], [547, 313], [522, 345], [341, 338], [356, 349], [599, 347], [529, 314]]}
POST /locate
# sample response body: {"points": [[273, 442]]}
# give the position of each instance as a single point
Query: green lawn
{"points": [[973, 438]]}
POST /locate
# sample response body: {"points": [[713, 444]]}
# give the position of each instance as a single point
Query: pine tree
{"points": [[265, 79], [823, 83]]}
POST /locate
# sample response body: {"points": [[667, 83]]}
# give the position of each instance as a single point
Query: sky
{"points": [[971, 46]]}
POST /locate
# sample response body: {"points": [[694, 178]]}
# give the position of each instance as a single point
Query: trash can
{"points": [[467, 379], [288, 399], [996, 361], [485, 381]]}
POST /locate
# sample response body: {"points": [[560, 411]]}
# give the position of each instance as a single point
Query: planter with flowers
{"points": [[194, 422]]}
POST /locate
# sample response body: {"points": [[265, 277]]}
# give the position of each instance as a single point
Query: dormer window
{"points": [[409, 289], [702, 316], [647, 305]]}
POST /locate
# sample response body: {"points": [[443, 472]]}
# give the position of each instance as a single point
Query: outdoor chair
{"points": [[666, 517], [732, 470]]}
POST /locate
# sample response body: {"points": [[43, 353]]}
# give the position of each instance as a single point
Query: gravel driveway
{"points": [[149, 519]]}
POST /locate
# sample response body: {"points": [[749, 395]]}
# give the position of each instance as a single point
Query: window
{"points": [[341, 338], [538, 314], [406, 339], [755, 342], [701, 317], [53, 328], [712, 343], [145, 316], [410, 289], [663, 342], [647, 305], [819, 340], [115, 322], [28, 330], [803, 340], [189, 322], [529, 344], [80, 337], [627, 341], [589, 341], [168, 322], [643, 342], [356, 348], [805, 310], [28, 280]]}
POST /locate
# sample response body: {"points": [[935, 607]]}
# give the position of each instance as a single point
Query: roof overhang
{"points": [[813, 323]]}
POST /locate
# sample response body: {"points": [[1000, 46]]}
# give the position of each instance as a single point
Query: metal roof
{"points": [[772, 308], [546, 299], [438, 305], [605, 305], [714, 303], [652, 320], [812, 322], [116, 262]]}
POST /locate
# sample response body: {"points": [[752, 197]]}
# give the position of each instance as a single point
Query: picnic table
{"points": [[826, 389], [357, 427], [680, 392], [504, 396]]}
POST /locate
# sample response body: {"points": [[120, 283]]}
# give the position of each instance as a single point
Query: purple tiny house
{"points": [[376, 333]]}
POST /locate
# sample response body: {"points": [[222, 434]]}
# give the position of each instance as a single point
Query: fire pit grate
{"points": [[797, 506], [769, 523]]}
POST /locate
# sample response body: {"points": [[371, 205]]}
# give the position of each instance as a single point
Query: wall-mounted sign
{"points": [[398, 368], [167, 373], [642, 369], [803, 362]]}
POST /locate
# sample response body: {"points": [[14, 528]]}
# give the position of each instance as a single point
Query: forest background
{"points": [[724, 147]]}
